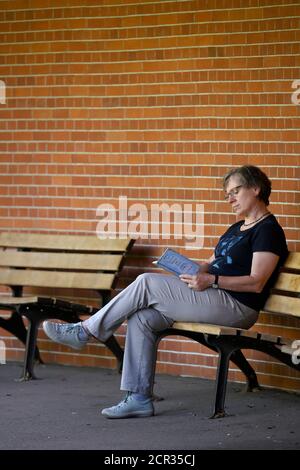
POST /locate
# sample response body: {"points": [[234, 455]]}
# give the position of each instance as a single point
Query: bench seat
{"points": [[218, 330]]}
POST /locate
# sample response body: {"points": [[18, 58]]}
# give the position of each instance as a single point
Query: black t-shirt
{"points": [[234, 251]]}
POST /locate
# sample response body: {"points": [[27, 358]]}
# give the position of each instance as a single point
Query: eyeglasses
{"points": [[233, 192]]}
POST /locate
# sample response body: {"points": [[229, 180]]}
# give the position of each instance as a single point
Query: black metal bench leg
{"points": [[113, 345], [28, 367], [15, 326], [225, 351], [239, 360]]}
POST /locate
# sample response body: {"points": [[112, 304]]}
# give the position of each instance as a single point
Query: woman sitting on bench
{"points": [[230, 289]]}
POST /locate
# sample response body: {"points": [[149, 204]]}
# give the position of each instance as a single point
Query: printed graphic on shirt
{"points": [[223, 249]]}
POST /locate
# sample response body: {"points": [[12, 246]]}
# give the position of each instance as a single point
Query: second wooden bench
{"points": [[56, 262]]}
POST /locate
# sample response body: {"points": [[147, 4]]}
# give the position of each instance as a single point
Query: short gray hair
{"points": [[251, 177]]}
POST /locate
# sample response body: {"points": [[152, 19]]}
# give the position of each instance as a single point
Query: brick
{"points": [[156, 110]]}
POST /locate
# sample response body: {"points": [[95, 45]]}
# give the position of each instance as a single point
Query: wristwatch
{"points": [[215, 284]]}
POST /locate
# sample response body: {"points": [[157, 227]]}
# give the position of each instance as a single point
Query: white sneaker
{"points": [[130, 407], [65, 333]]}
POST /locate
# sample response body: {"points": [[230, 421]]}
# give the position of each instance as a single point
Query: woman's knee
{"points": [[149, 319], [146, 278]]}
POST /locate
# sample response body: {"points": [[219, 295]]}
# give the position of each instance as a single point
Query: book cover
{"points": [[176, 263]]}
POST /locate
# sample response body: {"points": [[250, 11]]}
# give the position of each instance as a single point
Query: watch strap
{"points": [[215, 284]]}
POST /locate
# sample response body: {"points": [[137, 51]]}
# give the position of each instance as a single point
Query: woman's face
{"points": [[241, 198]]}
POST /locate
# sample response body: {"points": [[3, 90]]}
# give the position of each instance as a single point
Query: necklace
{"points": [[256, 220]]}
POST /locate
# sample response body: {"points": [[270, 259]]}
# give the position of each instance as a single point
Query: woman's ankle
{"points": [[83, 333], [140, 396]]}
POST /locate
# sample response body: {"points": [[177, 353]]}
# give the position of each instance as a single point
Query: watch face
{"points": [[215, 286]]}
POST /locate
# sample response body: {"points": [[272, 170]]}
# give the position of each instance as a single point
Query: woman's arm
{"points": [[263, 265]]}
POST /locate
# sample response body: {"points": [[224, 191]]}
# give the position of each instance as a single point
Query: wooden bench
{"points": [[284, 300], [56, 262]]}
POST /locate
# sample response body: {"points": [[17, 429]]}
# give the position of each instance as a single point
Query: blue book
{"points": [[176, 263]]}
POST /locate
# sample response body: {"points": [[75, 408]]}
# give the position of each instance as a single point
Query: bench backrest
{"points": [[285, 295], [60, 261]]}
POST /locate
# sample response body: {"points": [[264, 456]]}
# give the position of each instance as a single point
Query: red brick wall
{"points": [[152, 100]]}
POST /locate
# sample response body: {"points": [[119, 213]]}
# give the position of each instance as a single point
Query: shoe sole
{"points": [[133, 414]]}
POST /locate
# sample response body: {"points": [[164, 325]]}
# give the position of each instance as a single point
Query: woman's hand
{"points": [[200, 281]]}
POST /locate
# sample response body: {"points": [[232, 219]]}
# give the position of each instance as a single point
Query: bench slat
{"points": [[257, 335], [36, 278], [224, 330], [45, 302], [62, 242], [283, 305], [9, 300], [293, 261], [205, 328], [288, 282], [75, 261]]}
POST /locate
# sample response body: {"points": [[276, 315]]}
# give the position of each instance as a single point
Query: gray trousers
{"points": [[151, 304]]}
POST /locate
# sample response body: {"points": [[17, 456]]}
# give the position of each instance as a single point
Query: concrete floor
{"points": [[62, 411]]}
